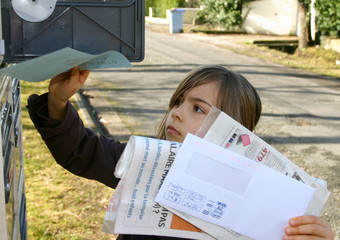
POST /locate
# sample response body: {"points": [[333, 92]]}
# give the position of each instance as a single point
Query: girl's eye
{"points": [[198, 109]]}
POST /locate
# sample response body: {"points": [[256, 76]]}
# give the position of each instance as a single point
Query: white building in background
{"points": [[271, 17]]}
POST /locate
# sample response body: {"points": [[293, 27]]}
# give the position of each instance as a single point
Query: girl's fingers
{"points": [[79, 76], [302, 220], [74, 76], [84, 75], [301, 237], [308, 227]]}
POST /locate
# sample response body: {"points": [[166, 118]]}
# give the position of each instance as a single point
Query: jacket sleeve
{"points": [[76, 148]]}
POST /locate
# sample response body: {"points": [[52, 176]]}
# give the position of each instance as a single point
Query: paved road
{"points": [[301, 110]]}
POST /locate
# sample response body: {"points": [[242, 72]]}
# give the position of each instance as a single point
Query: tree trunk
{"points": [[303, 27]]}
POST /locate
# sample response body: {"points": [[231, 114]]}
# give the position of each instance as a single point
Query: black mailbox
{"points": [[90, 26]]}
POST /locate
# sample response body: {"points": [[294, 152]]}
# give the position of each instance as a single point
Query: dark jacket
{"points": [[78, 149]]}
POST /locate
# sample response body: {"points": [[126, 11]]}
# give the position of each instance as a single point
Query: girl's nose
{"points": [[177, 113]]}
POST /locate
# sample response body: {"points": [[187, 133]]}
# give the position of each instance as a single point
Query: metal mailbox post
{"points": [[13, 223]]}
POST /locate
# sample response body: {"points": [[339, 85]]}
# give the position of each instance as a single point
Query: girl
{"points": [[86, 154]]}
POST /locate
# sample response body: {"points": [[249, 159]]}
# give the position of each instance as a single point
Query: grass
{"points": [[316, 59], [60, 205]]}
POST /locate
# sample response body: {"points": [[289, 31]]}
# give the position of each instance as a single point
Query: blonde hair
{"points": [[236, 97]]}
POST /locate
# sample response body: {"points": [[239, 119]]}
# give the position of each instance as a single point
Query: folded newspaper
{"points": [[142, 167], [145, 163]]}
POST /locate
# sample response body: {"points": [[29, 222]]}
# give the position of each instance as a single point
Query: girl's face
{"points": [[188, 114]]}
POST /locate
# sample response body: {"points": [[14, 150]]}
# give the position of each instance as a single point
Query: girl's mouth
{"points": [[171, 130]]}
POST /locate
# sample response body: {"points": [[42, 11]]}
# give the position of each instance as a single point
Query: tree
{"points": [[328, 17], [303, 33], [327, 21]]}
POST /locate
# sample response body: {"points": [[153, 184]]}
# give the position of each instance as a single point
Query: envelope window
{"points": [[218, 174]]}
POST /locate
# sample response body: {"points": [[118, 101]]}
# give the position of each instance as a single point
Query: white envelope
{"points": [[232, 191], [49, 65]]}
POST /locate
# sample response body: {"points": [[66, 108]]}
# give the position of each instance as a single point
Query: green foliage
{"points": [[226, 13], [328, 18], [159, 7], [148, 3], [328, 15]]}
